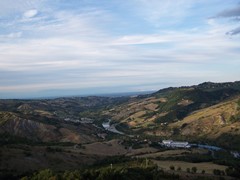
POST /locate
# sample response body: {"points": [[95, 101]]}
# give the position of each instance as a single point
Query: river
{"points": [[111, 127]]}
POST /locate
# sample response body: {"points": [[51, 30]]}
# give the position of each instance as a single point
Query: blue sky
{"points": [[76, 47]]}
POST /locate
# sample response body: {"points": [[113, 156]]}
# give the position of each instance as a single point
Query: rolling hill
{"points": [[67, 133], [166, 112], [207, 111], [53, 120]]}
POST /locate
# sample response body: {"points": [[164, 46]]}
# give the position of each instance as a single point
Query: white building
{"points": [[167, 142], [176, 144]]}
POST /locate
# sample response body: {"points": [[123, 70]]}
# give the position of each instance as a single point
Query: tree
{"points": [[203, 171], [194, 169], [44, 174], [223, 173], [216, 172], [188, 170], [172, 167], [179, 168], [72, 175], [234, 172]]}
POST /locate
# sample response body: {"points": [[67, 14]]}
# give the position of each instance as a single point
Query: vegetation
{"points": [[194, 169], [7, 138], [234, 172], [218, 172], [193, 158], [115, 173], [196, 95], [53, 131], [172, 167]]}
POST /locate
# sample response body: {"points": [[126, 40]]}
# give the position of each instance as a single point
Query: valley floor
{"points": [[19, 159]]}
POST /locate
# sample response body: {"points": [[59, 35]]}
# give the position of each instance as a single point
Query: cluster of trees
{"points": [[236, 117], [53, 150], [218, 172], [131, 173], [193, 158], [192, 170], [230, 171], [234, 172]]}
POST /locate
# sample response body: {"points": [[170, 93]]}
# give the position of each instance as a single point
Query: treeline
{"points": [[118, 173]]}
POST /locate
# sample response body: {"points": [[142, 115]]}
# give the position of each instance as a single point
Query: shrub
{"points": [[172, 167], [53, 150], [234, 172], [216, 172], [44, 174], [194, 169], [27, 153]]}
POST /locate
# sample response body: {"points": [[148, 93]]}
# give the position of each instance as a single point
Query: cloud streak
{"points": [[93, 46], [233, 13], [30, 13]]}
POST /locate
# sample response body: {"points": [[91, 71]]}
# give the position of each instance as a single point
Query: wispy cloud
{"points": [[232, 14], [163, 12], [234, 31], [45, 47], [30, 13], [13, 7]]}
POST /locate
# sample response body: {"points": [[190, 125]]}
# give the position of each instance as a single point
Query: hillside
{"points": [[68, 133], [13, 126], [220, 122], [163, 113], [211, 107], [54, 120]]}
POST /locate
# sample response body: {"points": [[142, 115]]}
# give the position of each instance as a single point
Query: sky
{"points": [[84, 47]]}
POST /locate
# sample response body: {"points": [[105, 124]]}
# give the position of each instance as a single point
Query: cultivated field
{"points": [[208, 167]]}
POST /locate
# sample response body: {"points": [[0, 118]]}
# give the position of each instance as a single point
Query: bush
{"points": [[27, 153], [72, 175], [103, 173], [234, 172], [216, 172], [53, 150], [43, 175], [172, 167], [194, 169]]}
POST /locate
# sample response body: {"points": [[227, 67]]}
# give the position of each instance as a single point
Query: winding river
{"points": [[111, 127]]}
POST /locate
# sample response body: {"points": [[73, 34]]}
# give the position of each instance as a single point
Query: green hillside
{"points": [[67, 134], [165, 113]]}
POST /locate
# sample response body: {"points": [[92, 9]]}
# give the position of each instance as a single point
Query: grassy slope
{"points": [[13, 127], [208, 111], [211, 118], [43, 120], [143, 114]]}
